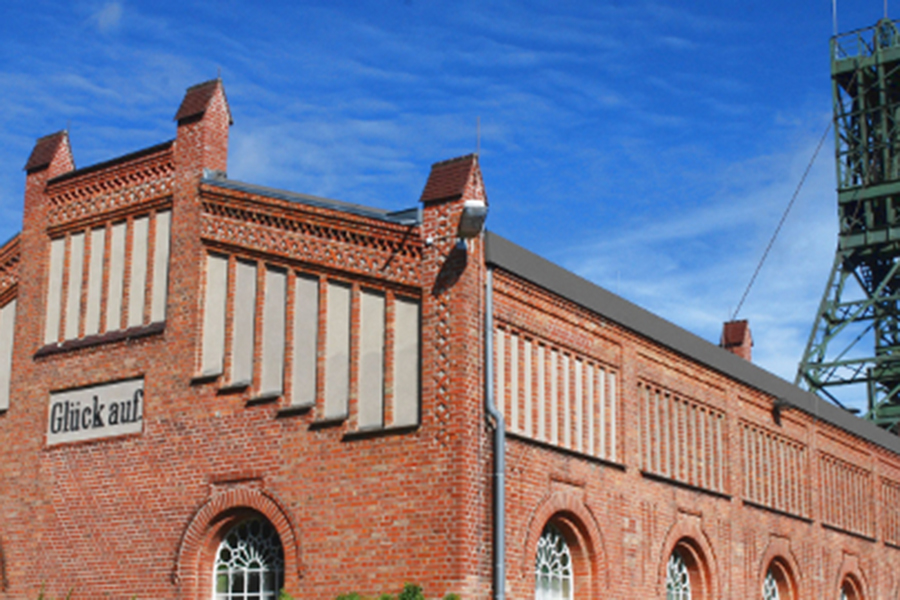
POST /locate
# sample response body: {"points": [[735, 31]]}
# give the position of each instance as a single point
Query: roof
{"points": [[197, 98], [448, 178], [503, 254], [45, 149]]}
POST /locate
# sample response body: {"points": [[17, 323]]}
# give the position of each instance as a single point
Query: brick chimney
{"points": [[736, 338], [203, 121]]}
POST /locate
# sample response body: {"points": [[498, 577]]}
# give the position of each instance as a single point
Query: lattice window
{"points": [[249, 563], [553, 578], [678, 578], [770, 587]]}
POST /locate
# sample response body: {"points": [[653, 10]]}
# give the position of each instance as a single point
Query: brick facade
{"points": [[630, 437]]}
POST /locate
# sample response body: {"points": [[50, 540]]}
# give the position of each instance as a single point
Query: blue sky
{"points": [[648, 145]]}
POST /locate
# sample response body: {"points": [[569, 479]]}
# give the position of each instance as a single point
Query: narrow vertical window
{"points": [[337, 351], [137, 283], [406, 362], [54, 291], [95, 282], [7, 334], [213, 350], [160, 267], [73, 292], [243, 324], [116, 280], [306, 335], [371, 360], [553, 578], [272, 376]]}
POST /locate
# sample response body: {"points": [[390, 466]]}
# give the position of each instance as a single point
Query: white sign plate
{"points": [[99, 411]]}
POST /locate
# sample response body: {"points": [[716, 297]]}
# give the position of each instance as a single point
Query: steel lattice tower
{"points": [[853, 354]]}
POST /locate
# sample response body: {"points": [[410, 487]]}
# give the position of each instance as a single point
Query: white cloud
{"points": [[108, 17]]}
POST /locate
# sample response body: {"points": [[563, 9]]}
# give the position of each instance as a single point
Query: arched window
{"points": [[779, 582], [553, 578], [678, 578], [850, 590], [770, 587], [249, 562]]}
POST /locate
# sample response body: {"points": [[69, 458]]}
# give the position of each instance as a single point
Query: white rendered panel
{"points": [[73, 292], [116, 281], [600, 383], [542, 403], [160, 267], [612, 417], [7, 331], [514, 382], [500, 370], [272, 376], [579, 406], [554, 397], [95, 282], [527, 360], [306, 334], [137, 285], [54, 291], [406, 362], [371, 360], [213, 351], [566, 404], [337, 351], [242, 339], [590, 406]]}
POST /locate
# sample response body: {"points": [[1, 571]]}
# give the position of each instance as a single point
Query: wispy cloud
{"points": [[108, 17]]}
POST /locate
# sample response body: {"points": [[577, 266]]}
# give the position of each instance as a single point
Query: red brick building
{"points": [[210, 389]]}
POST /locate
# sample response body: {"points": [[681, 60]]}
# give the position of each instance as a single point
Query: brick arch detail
{"points": [[207, 525], [850, 569], [687, 528], [570, 509], [779, 549]]}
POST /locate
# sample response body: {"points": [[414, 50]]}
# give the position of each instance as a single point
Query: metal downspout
{"points": [[499, 443]]}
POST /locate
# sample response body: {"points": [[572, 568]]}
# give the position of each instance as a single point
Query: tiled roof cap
{"points": [[448, 178], [45, 149], [197, 98]]}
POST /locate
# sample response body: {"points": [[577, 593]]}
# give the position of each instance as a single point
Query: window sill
{"points": [[329, 422], [234, 388], [290, 411], [265, 398], [366, 434], [132, 333]]}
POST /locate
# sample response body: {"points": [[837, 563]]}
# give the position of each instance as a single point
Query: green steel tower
{"points": [[853, 354]]}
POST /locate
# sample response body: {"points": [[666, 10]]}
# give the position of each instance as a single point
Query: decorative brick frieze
{"points": [[80, 198]]}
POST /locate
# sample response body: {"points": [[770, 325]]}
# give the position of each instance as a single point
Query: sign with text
{"points": [[99, 411]]}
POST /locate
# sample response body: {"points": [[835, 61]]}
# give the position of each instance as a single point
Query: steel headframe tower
{"points": [[861, 303]]}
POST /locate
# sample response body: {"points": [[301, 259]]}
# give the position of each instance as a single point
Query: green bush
{"points": [[410, 591]]}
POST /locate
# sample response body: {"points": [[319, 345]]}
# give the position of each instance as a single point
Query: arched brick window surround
{"points": [[688, 539], [850, 574], [576, 523], [781, 561], [223, 510]]}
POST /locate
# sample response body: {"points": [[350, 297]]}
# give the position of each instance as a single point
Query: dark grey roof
{"points": [[503, 254], [412, 216]]}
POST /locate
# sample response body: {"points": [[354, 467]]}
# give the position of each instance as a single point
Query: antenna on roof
{"points": [[218, 72], [478, 136]]}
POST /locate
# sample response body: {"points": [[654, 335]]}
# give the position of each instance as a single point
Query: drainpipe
{"points": [[499, 443]]}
